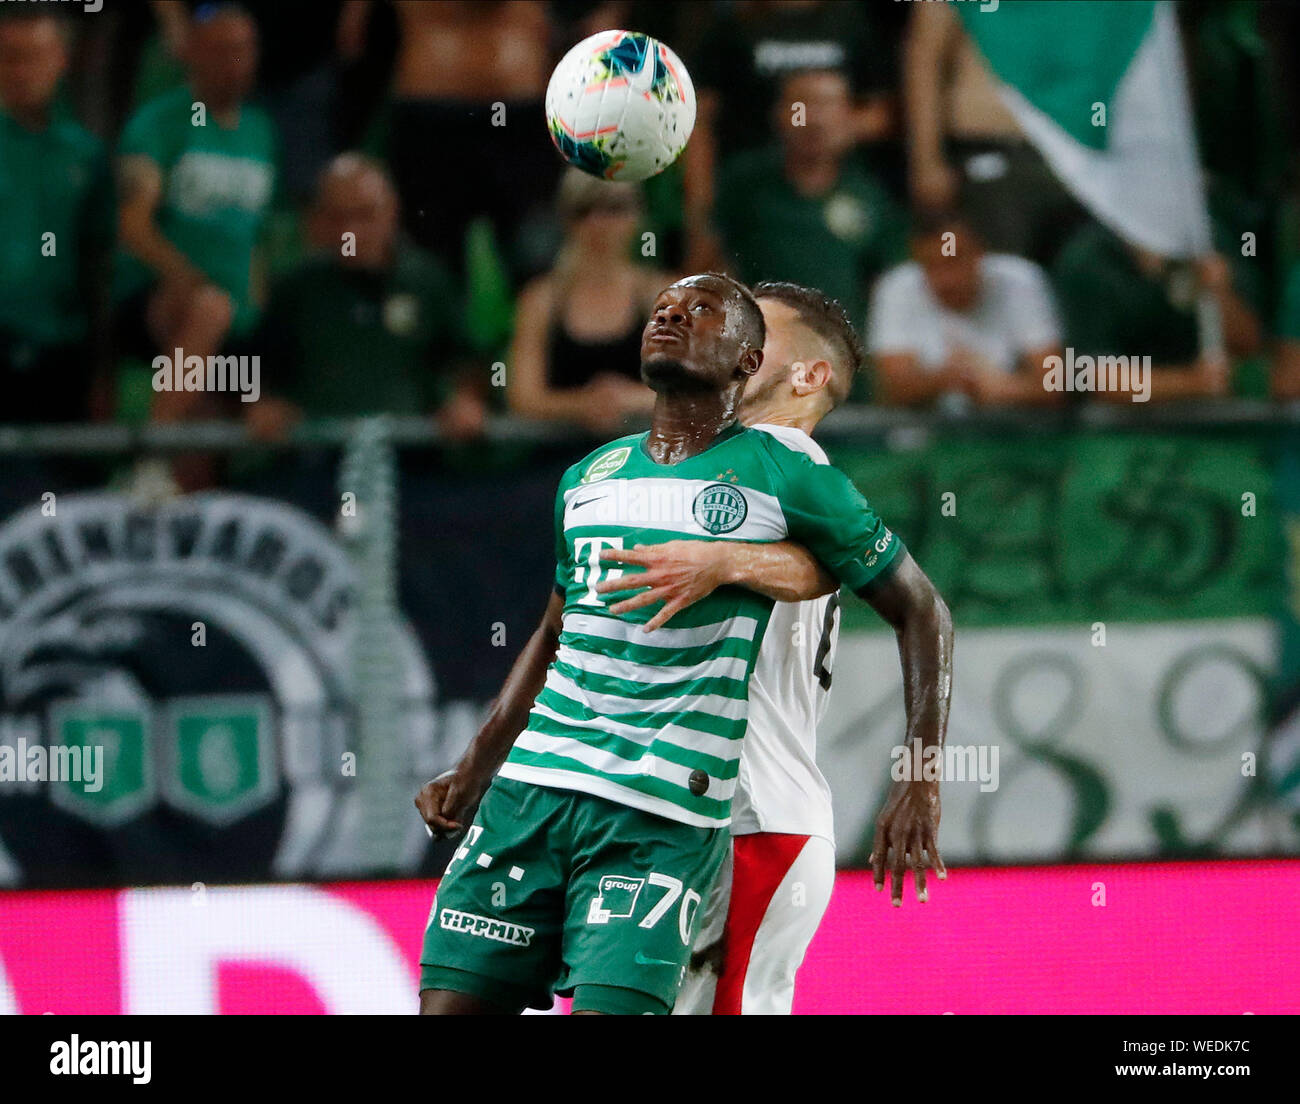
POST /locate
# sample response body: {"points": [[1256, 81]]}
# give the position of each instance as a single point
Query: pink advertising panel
{"points": [[1144, 938]]}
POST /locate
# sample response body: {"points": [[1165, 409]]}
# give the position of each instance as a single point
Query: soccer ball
{"points": [[620, 105]]}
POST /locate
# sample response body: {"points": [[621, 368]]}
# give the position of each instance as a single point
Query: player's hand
{"points": [[447, 803], [677, 573], [907, 830]]}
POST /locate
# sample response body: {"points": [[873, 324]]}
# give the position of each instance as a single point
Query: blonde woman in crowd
{"points": [[576, 355]]}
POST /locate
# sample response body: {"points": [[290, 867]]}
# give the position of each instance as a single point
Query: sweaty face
{"points": [[954, 281], [32, 60], [694, 338]]}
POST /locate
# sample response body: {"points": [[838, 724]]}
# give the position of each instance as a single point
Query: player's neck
{"points": [[686, 423], [781, 415]]}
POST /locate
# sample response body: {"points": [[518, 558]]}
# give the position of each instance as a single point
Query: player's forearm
{"points": [[783, 571], [925, 650], [508, 715], [909, 602]]}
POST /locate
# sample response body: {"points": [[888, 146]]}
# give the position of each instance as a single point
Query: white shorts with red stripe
{"points": [[762, 913]]}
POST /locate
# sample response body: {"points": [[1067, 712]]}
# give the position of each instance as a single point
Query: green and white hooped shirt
{"points": [[656, 720]]}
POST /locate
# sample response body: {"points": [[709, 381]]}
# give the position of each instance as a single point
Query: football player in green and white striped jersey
{"points": [[584, 869]]}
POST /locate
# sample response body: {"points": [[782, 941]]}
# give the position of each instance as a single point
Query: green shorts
{"points": [[555, 890]]}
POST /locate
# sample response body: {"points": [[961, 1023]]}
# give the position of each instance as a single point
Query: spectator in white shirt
{"points": [[957, 321]]}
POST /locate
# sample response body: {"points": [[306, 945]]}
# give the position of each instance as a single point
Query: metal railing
{"points": [[847, 422]]}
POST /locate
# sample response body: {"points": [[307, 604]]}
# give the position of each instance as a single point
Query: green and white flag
{"points": [[1098, 86]]}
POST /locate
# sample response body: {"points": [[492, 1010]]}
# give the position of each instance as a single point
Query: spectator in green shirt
{"points": [[197, 172], [56, 222], [803, 210], [1286, 362], [1121, 300], [371, 326]]}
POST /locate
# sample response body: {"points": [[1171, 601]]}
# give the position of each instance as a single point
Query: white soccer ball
{"points": [[620, 105]]}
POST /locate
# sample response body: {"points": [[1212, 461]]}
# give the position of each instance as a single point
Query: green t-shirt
{"points": [[839, 242], [656, 720], [217, 190], [344, 342], [54, 182]]}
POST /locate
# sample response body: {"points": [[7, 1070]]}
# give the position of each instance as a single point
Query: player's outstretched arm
{"points": [[448, 801], [680, 573], [907, 829]]}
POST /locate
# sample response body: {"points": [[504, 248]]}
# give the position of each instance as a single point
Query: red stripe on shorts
{"points": [[760, 862]]}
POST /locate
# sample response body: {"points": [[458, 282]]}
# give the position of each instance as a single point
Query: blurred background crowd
{"points": [[417, 128], [363, 195]]}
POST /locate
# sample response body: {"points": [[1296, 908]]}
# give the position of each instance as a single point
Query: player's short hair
{"points": [[755, 328], [828, 319]]}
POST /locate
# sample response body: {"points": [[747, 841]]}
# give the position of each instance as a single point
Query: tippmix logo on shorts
{"points": [[485, 927]]}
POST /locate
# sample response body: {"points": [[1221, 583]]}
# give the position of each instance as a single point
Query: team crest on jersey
{"points": [[720, 509], [607, 464]]}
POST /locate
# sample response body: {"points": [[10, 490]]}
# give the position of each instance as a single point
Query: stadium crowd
{"points": [[363, 194]]}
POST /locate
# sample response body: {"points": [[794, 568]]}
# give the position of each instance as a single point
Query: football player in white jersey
{"points": [[769, 899], [774, 888]]}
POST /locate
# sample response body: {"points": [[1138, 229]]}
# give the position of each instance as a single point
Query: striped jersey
{"points": [[657, 720]]}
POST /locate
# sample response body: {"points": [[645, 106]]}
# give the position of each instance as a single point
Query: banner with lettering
{"points": [[180, 681]]}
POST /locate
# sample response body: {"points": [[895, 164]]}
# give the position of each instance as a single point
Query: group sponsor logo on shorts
{"points": [[486, 927], [720, 509], [615, 899], [607, 464]]}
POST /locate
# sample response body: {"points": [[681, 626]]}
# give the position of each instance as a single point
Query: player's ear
{"points": [[808, 376], [750, 361]]}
